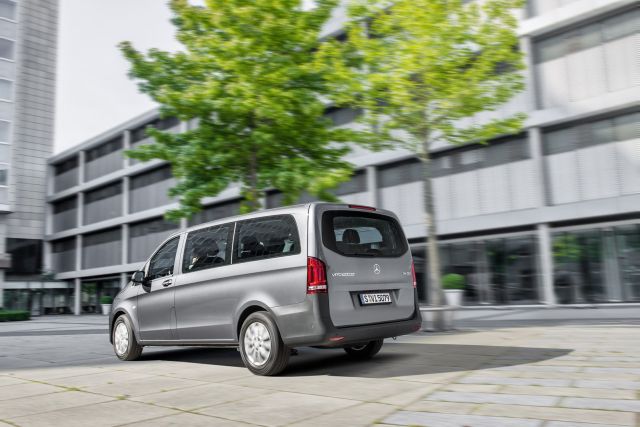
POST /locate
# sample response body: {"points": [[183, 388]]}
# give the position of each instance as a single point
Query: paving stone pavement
{"points": [[540, 376]]}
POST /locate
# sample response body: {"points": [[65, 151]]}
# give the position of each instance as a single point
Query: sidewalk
{"points": [[556, 375]]}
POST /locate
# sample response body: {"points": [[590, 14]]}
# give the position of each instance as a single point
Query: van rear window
{"points": [[362, 234]]}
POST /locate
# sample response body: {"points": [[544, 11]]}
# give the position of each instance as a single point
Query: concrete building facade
{"points": [[28, 41], [549, 216]]}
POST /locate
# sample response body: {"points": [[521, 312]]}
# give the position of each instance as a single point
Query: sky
{"points": [[94, 92]]}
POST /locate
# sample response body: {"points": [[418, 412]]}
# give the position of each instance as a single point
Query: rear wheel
{"points": [[125, 344], [261, 346], [364, 351]]}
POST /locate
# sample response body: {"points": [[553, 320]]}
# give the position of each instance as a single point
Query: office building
{"points": [[549, 216], [28, 39]]}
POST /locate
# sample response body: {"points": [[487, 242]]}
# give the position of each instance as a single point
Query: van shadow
{"points": [[395, 359]]}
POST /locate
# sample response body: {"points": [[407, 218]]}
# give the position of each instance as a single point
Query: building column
{"points": [[126, 183], [125, 244], [79, 252], [184, 223], [80, 210], [81, 162], [77, 309], [124, 279], [46, 257], [526, 47], [372, 185], [1, 288], [126, 145], [546, 264]]}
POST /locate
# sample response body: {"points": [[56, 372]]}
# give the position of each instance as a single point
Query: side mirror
{"points": [[138, 278]]}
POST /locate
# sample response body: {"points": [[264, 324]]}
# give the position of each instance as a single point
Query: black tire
{"points": [[134, 349], [278, 357], [364, 351]]}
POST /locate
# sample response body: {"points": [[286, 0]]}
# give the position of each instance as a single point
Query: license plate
{"points": [[379, 298]]}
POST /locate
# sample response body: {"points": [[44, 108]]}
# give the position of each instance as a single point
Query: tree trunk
{"points": [[432, 261]]}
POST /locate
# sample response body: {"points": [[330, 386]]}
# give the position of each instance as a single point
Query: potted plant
{"points": [[105, 302], [453, 285]]}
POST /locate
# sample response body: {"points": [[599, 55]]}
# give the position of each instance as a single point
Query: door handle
{"points": [[167, 282]]}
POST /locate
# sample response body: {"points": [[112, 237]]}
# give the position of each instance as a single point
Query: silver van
{"points": [[325, 275]]}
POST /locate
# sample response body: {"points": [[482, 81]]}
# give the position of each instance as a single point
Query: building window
{"points": [[7, 49], [342, 116], [5, 152], [102, 193], [65, 166], [593, 132], [4, 174], [399, 173], [150, 178], [26, 256], [588, 60], [140, 133], [217, 211], [8, 9], [145, 236], [104, 149], [6, 89], [4, 130]]}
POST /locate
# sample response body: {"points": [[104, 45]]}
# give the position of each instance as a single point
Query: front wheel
{"points": [[125, 344], [261, 346], [364, 351]]}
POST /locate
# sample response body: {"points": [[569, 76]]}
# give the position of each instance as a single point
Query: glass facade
{"points": [[52, 298], [597, 265], [93, 290], [497, 271]]}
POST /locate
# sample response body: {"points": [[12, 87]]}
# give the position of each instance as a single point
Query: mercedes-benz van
{"points": [[320, 274]]}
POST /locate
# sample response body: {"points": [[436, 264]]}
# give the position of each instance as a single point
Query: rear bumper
{"points": [[309, 324]]}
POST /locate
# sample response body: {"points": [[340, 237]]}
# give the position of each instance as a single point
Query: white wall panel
{"points": [[628, 154], [357, 198], [622, 61], [597, 172], [563, 178], [522, 185], [442, 192], [552, 80], [494, 189], [465, 193], [405, 200], [585, 70]]}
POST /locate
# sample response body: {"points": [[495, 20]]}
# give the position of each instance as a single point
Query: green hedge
{"points": [[453, 281], [14, 315], [105, 299]]}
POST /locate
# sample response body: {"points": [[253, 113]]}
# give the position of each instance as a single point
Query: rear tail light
{"points": [[413, 274], [365, 208], [316, 276]]}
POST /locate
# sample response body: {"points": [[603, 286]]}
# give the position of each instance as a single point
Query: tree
{"points": [[418, 67], [247, 76]]}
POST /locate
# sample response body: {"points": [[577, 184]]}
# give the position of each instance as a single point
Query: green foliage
{"points": [[249, 80], [106, 299], [418, 67], [453, 281], [14, 315]]}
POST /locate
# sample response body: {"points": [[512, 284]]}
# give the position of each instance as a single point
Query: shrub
{"points": [[14, 315], [453, 281], [106, 299]]}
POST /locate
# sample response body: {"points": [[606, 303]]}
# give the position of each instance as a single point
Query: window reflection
{"points": [[496, 271]]}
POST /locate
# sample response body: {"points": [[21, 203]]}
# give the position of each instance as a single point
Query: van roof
{"points": [[265, 212]]}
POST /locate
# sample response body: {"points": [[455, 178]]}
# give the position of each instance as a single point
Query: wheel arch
{"points": [[116, 314], [246, 310]]}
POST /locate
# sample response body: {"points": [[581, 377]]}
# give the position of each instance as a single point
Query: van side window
{"points": [[207, 248], [267, 237], [161, 264]]}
